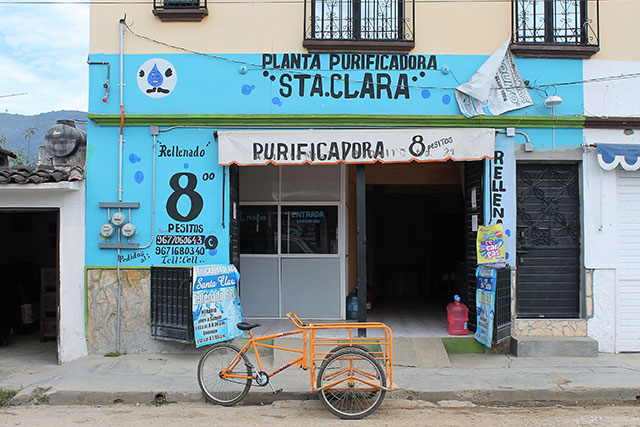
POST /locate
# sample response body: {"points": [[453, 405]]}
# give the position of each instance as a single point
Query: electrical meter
{"points": [[118, 219], [128, 230], [107, 230]]}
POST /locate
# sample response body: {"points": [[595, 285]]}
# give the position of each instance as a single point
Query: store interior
{"points": [[28, 276]]}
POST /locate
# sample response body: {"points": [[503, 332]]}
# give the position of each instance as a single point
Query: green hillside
{"points": [[14, 126]]}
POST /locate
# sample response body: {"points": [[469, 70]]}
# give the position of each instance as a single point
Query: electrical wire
{"points": [[126, 2], [13, 94], [542, 88]]}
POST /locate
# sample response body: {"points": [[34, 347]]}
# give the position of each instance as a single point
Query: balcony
{"points": [[180, 10], [359, 25], [555, 28]]}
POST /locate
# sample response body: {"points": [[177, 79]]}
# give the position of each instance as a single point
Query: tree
{"points": [[22, 158]]}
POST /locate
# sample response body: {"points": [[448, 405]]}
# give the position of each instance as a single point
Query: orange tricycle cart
{"points": [[350, 373]]}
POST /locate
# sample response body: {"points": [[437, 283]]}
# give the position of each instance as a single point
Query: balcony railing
{"points": [[180, 10], [567, 28], [371, 25]]}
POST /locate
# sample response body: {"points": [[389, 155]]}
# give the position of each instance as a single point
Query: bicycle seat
{"points": [[244, 326]]}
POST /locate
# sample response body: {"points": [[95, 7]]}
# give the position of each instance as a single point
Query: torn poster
{"points": [[495, 88]]}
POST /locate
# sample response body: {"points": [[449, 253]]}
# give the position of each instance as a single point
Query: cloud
{"points": [[43, 51]]}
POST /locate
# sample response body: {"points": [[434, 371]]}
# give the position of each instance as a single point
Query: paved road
{"points": [[311, 413]]}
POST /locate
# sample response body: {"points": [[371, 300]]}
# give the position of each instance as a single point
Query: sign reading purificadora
{"points": [[354, 146], [391, 77]]}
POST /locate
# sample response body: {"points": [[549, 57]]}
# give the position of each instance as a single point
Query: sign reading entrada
{"points": [[346, 76]]}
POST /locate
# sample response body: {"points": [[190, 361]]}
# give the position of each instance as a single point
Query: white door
{"points": [[628, 284]]}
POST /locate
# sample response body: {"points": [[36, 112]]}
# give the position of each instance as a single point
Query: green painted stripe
{"points": [[337, 120]]}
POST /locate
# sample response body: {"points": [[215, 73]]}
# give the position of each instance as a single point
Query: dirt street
{"points": [[311, 413]]}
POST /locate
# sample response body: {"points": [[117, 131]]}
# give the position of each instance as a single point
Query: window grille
{"points": [[359, 20], [564, 22], [171, 307]]}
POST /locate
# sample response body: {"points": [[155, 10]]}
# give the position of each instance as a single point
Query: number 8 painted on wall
{"points": [[188, 190]]}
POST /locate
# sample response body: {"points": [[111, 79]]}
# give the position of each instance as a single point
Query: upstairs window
{"points": [[365, 25], [180, 10], [555, 28]]}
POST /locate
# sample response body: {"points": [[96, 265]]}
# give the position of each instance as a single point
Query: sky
{"points": [[43, 52]]}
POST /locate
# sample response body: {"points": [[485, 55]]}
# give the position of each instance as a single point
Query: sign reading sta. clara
{"points": [[216, 304]]}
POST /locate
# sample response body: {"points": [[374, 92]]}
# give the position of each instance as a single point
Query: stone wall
{"points": [[135, 323], [550, 328]]}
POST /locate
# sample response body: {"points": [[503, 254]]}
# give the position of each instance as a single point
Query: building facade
{"points": [[254, 134]]}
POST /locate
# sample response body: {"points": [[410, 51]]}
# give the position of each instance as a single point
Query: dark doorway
{"points": [[548, 249], [415, 246], [29, 275]]}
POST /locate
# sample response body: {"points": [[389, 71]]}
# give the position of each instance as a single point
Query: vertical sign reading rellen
{"points": [[216, 304]]}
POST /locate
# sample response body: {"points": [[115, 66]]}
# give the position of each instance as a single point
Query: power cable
{"points": [[541, 88]]}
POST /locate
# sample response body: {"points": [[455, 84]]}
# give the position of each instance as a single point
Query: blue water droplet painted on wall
{"points": [[506, 255], [446, 99], [212, 252], [132, 158], [507, 232], [426, 93], [247, 89], [138, 177], [276, 101], [155, 78], [186, 166]]}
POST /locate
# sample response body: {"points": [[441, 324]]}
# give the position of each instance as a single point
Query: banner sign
{"points": [[490, 245], [495, 88], [485, 303], [501, 193], [354, 146], [216, 304]]}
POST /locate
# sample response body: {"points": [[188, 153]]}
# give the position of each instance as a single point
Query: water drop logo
{"points": [[154, 77], [157, 78]]}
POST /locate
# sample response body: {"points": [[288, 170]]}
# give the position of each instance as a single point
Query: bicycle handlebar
{"points": [[296, 320]]}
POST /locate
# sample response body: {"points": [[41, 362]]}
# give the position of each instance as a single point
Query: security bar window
{"points": [[180, 10], [358, 19], [551, 21]]}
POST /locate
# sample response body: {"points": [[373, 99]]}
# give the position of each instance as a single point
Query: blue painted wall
{"points": [[190, 227], [238, 84]]}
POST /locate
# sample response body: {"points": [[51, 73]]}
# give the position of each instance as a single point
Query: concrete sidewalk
{"points": [[479, 378]]}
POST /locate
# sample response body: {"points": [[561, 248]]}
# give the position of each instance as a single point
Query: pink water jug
{"points": [[457, 317]]}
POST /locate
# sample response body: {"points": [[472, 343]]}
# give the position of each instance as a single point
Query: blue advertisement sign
{"points": [[183, 196], [485, 303], [216, 304]]}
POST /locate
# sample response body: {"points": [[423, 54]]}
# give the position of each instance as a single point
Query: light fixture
{"points": [[552, 101]]}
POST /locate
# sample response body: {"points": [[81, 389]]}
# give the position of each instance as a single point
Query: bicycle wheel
{"points": [[224, 391], [355, 383]]}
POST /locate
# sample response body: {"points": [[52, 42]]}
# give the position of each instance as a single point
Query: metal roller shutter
{"points": [[628, 281]]}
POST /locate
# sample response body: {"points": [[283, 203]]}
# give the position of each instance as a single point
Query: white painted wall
{"points": [[602, 326], [613, 98], [69, 198], [599, 188], [600, 231]]}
